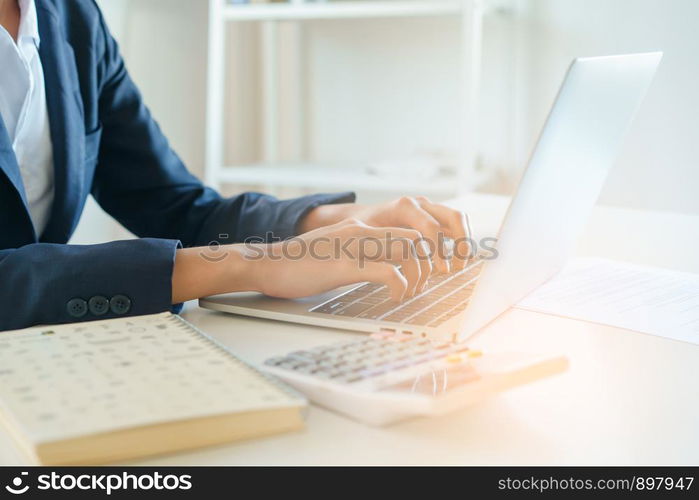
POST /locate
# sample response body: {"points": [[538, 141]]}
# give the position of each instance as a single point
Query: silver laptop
{"points": [[577, 146]]}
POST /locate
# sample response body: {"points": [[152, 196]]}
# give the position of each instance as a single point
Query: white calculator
{"points": [[385, 379]]}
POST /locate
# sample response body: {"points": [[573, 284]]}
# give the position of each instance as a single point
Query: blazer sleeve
{"points": [[142, 182], [45, 283]]}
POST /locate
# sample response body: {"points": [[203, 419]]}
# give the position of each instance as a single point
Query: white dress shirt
{"points": [[24, 113]]}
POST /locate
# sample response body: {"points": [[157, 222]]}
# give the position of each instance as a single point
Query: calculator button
{"points": [[357, 367], [454, 358], [323, 373], [309, 369], [349, 379], [275, 361], [289, 364], [303, 356], [372, 372]]}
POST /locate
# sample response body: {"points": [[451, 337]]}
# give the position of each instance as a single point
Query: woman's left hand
{"points": [[433, 221]]}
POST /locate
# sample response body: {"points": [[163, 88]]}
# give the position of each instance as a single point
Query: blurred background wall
{"points": [[385, 89]]}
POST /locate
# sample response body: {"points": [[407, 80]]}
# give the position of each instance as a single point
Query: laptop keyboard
{"points": [[445, 296]]}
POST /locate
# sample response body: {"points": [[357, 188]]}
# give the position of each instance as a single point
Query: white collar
{"points": [[28, 24]]}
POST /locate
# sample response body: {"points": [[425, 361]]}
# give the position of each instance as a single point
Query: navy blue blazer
{"points": [[106, 143]]}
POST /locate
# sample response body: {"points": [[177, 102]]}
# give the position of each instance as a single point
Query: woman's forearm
{"points": [[198, 272]]}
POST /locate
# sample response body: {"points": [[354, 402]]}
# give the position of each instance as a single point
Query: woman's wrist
{"points": [[246, 268], [326, 215], [202, 271]]}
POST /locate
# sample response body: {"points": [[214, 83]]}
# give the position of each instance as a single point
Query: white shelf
{"points": [[342, 10], [318, 177], [273, 172]]}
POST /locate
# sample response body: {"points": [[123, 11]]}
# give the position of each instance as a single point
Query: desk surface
{"points": [[628, 398]]}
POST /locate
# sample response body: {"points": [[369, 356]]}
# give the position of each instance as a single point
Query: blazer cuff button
{"points": [[120, 304], [98, 305], [77, 307]]}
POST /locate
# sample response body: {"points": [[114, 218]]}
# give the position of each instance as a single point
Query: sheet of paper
{"points": [[650, 300]]}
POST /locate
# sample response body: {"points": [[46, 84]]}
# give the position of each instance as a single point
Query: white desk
{"points": [[628, 398]]}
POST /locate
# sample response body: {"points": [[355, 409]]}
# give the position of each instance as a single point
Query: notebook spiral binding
{"points": [[293, 393]]}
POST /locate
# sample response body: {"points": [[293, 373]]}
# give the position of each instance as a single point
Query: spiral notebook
{"points": [[118, 389]]}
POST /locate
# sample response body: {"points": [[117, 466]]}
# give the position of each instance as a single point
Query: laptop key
{"points": [[379, 310], [330, 307], [398, 316], [370, 287], [373, 299], [354, 310]]}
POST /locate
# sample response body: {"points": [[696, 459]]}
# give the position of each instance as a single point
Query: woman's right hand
{"points": [[341, 254], [320, 260]]}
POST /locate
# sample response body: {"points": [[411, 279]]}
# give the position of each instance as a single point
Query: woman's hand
{"points": [[433, 221], [347, 252]]}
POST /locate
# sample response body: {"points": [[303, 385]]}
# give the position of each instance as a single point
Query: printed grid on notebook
{"points": [[65, 381]]}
